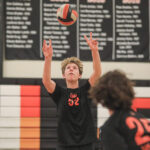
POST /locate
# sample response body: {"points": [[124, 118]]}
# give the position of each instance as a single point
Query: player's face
{"points": [[71, 72]]}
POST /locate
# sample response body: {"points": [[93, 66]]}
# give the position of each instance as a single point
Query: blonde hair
{"points": [[74, 60]]}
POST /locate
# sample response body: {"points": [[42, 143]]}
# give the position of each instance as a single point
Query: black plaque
{"points": [[121, 27], [132, 30], [22, 29], [96, 17], [63, 37], [1, 37]]}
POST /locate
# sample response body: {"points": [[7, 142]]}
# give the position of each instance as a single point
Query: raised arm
{"points": [[97, 70], [48, 53]]}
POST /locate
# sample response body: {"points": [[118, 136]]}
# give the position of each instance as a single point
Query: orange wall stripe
{"points": [[29, 90], [30, 117], [30, 111], [30, 149], [29, 144], [30, 101], [30, 133], [30, 122], [141, 103]]}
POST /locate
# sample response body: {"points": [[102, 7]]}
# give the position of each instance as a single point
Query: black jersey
{"points": [[126, 130], [75, 122]]}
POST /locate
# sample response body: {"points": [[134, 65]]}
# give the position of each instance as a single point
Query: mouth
{"points": [[71, 74]]}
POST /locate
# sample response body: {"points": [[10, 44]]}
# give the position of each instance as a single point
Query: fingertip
{"points": [[50, 42], [43, 43], [90, 35], [85, 37]]}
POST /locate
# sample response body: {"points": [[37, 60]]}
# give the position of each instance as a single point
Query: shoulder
{"points": [[85, 85], [111, 138], [57, 93], [58, 89]]}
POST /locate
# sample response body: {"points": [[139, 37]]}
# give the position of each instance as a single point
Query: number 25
{"points": [[140, 124]]}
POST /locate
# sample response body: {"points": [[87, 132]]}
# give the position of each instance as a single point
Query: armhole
{"points": [[86, 88], [86, 85], [56, 94]]}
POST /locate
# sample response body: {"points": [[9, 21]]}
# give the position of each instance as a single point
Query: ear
{"points": [[80, 76], [63, 75]]}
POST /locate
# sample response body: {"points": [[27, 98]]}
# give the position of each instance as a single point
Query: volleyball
{"points": [[66, 15]]}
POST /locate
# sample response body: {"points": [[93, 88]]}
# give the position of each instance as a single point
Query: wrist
{"points": [[95, 51], [48, 58]]}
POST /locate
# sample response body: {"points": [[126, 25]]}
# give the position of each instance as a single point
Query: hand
{"points": [[47, 49], [93, 44]]}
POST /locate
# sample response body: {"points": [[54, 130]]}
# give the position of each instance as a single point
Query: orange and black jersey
{"points": [[75, 122], [125, 130]]}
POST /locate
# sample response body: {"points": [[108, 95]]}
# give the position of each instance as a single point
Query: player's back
{"points": [[129, 129]]}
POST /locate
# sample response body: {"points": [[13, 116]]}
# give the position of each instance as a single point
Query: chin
{"points": [[72, 79]]}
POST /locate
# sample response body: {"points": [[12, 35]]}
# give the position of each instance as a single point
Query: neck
{"points": [[111, 111], [72, 85]]}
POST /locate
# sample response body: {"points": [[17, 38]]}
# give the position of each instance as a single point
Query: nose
{"points": [[71, 68]]}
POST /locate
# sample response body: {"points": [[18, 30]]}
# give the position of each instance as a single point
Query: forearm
{"points": [[47, 81], [48, 53], [93, 44], [97, 70], [47, 71]]}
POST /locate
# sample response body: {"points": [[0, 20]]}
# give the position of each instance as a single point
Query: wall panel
{"points": [[28, 116]]}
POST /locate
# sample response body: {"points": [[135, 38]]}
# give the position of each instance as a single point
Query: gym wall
{"points": [[28, 117]]}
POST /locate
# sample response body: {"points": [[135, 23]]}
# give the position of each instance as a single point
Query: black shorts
{"points": [[81, 147]]}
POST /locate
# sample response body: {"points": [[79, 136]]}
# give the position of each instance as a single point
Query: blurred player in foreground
{"points": [[125, 129]]}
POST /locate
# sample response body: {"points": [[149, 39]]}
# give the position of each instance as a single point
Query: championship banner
{"points": [[121, 27]]}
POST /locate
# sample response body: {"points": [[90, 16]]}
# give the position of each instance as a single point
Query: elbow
{"points": [[44, 82], [98, 73], [49, 85]]}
